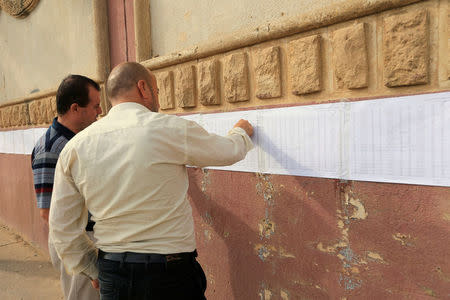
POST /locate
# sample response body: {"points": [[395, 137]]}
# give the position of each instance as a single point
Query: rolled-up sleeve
{"points": [[208, 149], [68, 219]]}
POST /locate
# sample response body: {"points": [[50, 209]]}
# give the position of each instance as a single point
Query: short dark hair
{"points": [[74, 89]]}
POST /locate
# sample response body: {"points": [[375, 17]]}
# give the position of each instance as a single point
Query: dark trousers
{"points": [[177, 279]]}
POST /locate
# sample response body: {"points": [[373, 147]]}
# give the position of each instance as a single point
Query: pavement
{"points": [[25, 271]]}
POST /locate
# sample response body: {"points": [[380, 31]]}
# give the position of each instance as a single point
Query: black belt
{"points": [[90, 226], [132, 257]]}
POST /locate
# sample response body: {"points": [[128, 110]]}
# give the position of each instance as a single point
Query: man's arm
{"points": [[68, 219], [43, 166], [207, 149]]}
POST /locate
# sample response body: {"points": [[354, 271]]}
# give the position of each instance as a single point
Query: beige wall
{"points": [[57, 38], [178, 25]]}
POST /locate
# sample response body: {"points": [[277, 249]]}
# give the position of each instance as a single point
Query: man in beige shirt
{"points": [[129, 170]]}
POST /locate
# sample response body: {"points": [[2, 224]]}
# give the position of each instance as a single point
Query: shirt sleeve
{"points": [[68, 219], [207, 149], [43, 166]]}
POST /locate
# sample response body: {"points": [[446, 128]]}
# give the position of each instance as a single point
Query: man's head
{"points": [[132, 82], [78, 101]]}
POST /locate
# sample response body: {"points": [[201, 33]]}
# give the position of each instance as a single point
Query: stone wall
{"points": [[393, 52]]}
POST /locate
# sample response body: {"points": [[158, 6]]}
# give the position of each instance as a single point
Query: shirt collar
{"points": [[126, 106], [62, 129]]}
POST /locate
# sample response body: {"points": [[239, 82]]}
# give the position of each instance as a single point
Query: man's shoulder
{"points": [[51, 142]]}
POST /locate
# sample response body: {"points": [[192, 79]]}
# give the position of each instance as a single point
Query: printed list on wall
{"points": [[398, 140]]}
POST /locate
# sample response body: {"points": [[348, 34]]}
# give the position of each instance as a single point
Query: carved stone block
{"points": [[38, 114], [166, 95], [208, 82], [235, 77], [305, 65], [50, 109], [351, 67], [405, 47], [19, 115], [268, 73], [185, 86], [6, 116]]}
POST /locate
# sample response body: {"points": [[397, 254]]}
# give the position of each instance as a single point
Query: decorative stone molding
{"points": [[166, 95], [18, 8], [406, 49], [351, 68], [235, 77], [208, 82], [185, 86], [268, 73], [325, 16], [42, 111], [305, 65], [323, 65]]}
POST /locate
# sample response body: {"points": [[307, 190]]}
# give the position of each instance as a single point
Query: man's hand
{"points": [[95, 284], [44, 212], [244, 124]]}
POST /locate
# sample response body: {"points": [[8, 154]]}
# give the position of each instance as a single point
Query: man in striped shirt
{"points": [[78, 105]]}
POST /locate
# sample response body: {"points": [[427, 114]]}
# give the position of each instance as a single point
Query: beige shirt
{"points": [[129, 170]]}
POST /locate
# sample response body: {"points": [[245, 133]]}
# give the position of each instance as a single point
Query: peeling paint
{"points": [[205, 180], [446, 217], [442, 275], [349, 282], [429, 292], [208, 218], [265, 187], [285, 254], [207, 234], [266, 228], [375, 256], [284, 295], [404, 239], [264, 251], [333, 248], [265, 293], [360, 212]]}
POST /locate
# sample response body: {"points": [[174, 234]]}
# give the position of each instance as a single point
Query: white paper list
{"points": [[398, 140]]}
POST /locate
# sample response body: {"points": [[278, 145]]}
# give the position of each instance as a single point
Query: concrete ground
{"points": [[25, 271]]}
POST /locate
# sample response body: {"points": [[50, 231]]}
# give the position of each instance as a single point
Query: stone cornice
{"points": [[304, 22]]}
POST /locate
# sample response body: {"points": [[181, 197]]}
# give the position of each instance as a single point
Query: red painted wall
{"points": [[121, 31], [313, 238], [17, 199]]}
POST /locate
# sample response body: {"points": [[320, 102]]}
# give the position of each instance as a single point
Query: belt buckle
{"points": [[173, 257]]}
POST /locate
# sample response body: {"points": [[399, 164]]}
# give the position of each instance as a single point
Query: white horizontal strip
{"points": [[398, 140], [20, 141]]}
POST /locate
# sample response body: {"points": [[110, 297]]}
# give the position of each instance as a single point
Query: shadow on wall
{"points": [[268, 237]]}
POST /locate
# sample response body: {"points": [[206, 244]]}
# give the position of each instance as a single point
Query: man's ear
{"points": [[74, 107], [141, 85]]}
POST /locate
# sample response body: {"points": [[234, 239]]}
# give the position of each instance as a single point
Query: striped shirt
{"points": [[43, 160]]}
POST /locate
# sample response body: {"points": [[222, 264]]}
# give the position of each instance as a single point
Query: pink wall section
{"points": [[316, 238], [17, 199], [121, 31]]}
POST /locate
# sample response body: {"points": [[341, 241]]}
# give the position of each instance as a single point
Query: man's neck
{"points": [[66, 122]]}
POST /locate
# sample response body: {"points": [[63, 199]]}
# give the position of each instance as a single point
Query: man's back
{"points": [[137, 190]]}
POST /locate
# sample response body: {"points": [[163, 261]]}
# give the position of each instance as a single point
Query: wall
{"points": [[193, 22], [50, 43], [266, 236], [56, 38], [286, 237]]}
